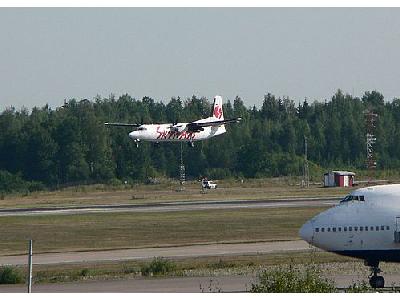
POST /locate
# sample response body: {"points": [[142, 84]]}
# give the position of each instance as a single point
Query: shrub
{"points": [[84, 272], [292, 280], [158, 266], [13, 183], [221, 264], [128, 269], [35, 186], [114, 182], [359, 287], [8, 275]]}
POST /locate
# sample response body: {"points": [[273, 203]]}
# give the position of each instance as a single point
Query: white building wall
{"points": [[346, 181]]}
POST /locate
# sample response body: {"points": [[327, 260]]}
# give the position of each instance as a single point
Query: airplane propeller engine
{"points": [[177, 128]]}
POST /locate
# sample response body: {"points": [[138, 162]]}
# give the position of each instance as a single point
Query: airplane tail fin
{"points": [[217, 112]]}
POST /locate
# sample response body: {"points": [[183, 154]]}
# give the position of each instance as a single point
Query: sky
{"points": [[51, 54]]}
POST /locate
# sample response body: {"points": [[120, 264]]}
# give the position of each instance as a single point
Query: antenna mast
{"points": [[370, 124], [182, 175], [306, 173]]}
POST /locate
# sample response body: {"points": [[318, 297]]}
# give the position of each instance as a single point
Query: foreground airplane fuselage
{"points": [[366, 225]]}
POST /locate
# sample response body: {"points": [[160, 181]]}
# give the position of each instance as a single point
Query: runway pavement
{"points": [[143, 285], [234, 283], [171, 206], [149, 253]]}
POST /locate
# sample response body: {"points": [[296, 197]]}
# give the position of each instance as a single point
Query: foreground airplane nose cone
{"points": [[306, 232], [132, 135]]}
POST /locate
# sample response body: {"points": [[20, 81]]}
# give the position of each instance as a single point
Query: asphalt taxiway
{"points": [[149, 253], [233, 283], [170, 206]]}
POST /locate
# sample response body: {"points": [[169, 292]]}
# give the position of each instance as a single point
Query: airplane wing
{"points": [[194, 126], [123, 124]]}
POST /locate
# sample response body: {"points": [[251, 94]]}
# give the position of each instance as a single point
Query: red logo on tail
{"points": [[218, 112]]}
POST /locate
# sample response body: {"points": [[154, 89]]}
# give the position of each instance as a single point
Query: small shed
{"points": [[339, 178]]}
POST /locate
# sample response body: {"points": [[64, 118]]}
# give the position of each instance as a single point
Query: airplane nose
{"points": [[132, 135], [306, 232]]}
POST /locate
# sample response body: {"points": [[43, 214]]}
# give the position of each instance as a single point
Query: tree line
{"points": [[69, 145]]}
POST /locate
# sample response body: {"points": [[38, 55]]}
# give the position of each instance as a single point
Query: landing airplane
{"points": [[365, 224], [182, 132]]}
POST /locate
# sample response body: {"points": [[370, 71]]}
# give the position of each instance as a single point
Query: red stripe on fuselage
{"points": [[171, 135]]}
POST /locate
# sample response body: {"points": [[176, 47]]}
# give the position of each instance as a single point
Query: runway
{"points": [[234, 283], [171, 206], [149, 253], [143, 285]]}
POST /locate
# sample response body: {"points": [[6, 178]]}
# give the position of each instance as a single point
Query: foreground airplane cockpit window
{"points": [[352, 198]]}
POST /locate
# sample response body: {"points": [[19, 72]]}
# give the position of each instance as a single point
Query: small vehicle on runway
{"points": [[208, 184]]}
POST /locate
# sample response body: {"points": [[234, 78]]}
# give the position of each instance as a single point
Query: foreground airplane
{"points": [[366, 225], [178, 132]]}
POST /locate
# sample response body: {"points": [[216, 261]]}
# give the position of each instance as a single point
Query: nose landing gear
{"points": [[136, 142], [376, 282]]}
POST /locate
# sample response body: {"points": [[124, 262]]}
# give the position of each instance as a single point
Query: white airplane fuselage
{"points": [[174, 132], [181, 132], [363, 225]]}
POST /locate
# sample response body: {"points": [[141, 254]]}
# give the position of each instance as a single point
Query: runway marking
{"points": [[149, 253], [165, 207]]}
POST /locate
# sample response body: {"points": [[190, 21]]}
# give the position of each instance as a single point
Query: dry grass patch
{"points": [[58, 233], [139, 194], [201, 266]]}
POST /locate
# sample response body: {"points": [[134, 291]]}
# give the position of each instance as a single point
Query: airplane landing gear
{"points": [[376, 282], [191, 144], [137, 143]]}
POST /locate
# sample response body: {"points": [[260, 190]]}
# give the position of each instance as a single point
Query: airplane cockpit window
{"points": [[352, 198], [346, 199], [141, 128]]}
